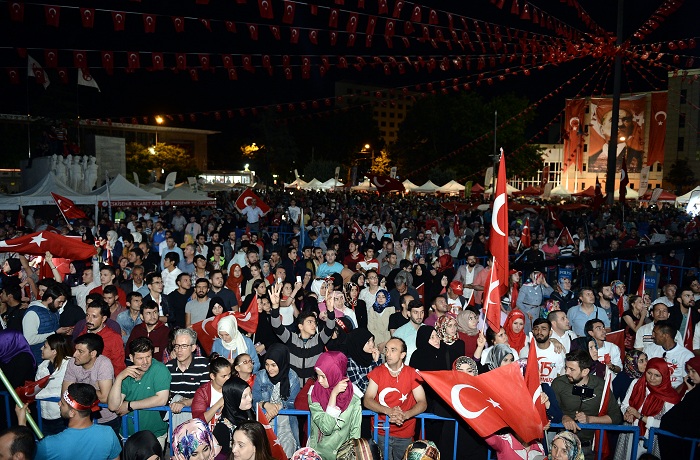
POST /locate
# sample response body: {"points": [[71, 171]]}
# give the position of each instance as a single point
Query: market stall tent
{"points": [[40, 195], [683, 199], [452, 187]]}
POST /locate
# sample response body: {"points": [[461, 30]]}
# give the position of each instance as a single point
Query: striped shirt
{"points": [[185, 383]]}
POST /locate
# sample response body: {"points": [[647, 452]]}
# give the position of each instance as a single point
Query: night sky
{"points": [[146, 92]]}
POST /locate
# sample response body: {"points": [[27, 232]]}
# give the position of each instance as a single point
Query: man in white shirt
{"points": [[644, 336], [80, 292], [294, 213], [551, 364], [672, 351], [608, 353], [466, 274], [561, 328], [409, 331], [193, 228], [170, 272], [253, 214]]}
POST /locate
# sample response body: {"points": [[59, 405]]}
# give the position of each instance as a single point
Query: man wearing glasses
{"points": [[188, 372]]}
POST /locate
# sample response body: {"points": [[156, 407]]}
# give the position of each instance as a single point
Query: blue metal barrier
{"points": [[653, 432], [605, 427], [6, 398]]}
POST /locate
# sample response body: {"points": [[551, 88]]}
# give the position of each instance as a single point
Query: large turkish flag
{"points": [[37, 244], [244, 200], [490, 401], [207, 330]]}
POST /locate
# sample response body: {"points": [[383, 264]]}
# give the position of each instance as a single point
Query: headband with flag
{"points": [[94, 407]]}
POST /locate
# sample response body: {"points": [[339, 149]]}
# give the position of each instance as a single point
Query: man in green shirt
{"points": [[143, 385]]}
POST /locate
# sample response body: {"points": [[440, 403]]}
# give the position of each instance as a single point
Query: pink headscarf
{"points": [[334, 365]]}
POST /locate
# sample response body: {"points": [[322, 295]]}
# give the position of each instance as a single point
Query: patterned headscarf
{"points": [[441, 328], [306, 453], [469, 364], [349, 301], [422, 450], [615, 284], [572, 444], [497, 355], [359, 449], [380, 308], [631, 365], [189, 436]]}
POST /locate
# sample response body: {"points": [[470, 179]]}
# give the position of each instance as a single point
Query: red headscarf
{"points": [[334, 365], [517, 341], [649, 406], [234, 283], [446, 262]]}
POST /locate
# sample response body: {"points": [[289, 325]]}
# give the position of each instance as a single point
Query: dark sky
{"points": [[145, 93]]}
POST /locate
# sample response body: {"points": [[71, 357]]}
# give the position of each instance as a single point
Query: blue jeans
{"points": [[397, 447]]}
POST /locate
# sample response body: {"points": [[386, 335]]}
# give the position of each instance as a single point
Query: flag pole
{"points": [[20, 403], [109, 197]]}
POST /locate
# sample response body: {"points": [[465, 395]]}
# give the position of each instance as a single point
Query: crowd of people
{"points": [[355, 295]]}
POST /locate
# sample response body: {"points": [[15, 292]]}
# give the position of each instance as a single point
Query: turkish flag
{"points": [[498, 239], [621, 306], [598, 198], [16, 11], [52, 14], [27, 393], [108, 61], [492, 300], [525, 237], [149, 23], [118, 18], [568, 239], [624, 181], [554, 217], [386, 183], [207, 330], [275, 446], [244, 200], [289, 9], [87, 16], [265, 9], [490, 401], [68, 208], [357, 229], [532, 380], [37, 244]]}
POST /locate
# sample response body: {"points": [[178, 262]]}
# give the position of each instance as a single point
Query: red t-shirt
{"points": [[396, 391], [114, 348], [121, 295]]}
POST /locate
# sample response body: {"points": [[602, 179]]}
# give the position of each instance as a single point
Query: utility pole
{"points": [[615, 115]]}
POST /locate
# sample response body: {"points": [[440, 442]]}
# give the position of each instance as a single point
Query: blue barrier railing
{"points": [[657, 432]]}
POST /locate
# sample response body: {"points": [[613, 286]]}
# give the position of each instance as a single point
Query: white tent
{"points": [[683, 199], [313, 184], [409, 186], [330, 183], [428, 187], [631, 194], [509, 190], [182, 195], [365, 186], [40, 195], [452, 187], [559, 192], [121, 192], [299, 183]]}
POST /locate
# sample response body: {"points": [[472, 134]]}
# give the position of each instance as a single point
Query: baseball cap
{"points": [[457, 287]]}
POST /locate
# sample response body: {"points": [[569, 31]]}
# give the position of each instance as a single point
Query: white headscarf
{"points": [[316, 289], [229, 325]]}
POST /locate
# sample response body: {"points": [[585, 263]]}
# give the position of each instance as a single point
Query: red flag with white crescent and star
{"points": [[244, 200], [490, 401], [492, 301], [525, 237], [68, 208], [275, 446], [498, 238], [532, 380], [207, 330], [37, 244], [386, 183], [357, 229], [20, 218]]}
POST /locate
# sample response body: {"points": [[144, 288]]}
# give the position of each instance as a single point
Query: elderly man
{"points": [[188, 372]]}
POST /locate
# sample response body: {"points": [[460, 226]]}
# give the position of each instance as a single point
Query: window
{"points": [[399, 115], [631, 185], [382, 132], [583, 186], [684, 96], [659, 167], [681, 120], [681, 144], [392, 115], [585, 166], [585, 147], [383, 123], [384, 114], [400, 106], [392, 125]]}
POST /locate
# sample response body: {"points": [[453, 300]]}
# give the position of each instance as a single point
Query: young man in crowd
{"points": [[156, 331]]}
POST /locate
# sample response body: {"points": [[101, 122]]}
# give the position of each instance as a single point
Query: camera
{"points": [[583, 391]]}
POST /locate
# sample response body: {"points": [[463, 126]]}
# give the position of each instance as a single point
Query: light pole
{"points": [[159, 121]]}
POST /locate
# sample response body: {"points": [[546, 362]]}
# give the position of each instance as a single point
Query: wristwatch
{"points": [[128, 406]]}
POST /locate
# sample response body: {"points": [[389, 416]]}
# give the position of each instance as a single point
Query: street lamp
{"points": [[159, 121]]}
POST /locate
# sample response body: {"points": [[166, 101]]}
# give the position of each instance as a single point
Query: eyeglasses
{"points": [[181, 347], [247, 361]]}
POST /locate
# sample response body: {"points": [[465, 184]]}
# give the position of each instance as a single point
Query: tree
{"points": [[441, 124], [681, 175], [382, 164], [143, 160]]}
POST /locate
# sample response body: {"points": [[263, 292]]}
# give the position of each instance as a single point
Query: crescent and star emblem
{"points": [[386, 391], [497, 205], [377, 184], [38, 239]]}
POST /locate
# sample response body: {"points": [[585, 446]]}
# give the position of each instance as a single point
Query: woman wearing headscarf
{"points": [[676, 419], [235, 282], [422, 450], [216, 307], [193, 440], [359, 449], [446, 328], [142, 445], [514, 327], [232, 343], [469, 444], [468, 329], [500, 355], [531, 297], [566, 446], [336, 411], [633, 366], [276, 386], [378, 317], [363, 356], [646, 401], [353, 302], [237, 408]]}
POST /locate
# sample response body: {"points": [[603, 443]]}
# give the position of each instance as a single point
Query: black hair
{"points": [[304, 315], [93, 342], [54, 292], [110, 289], [666, 327], [141, 345], [149, 305], [232, 392], [590, 324], [85, 394], [415, 304], [539, 321], [173, 256], [102, 305], [217, 363], [23, 442], [151, 277], [137, 252], [110, 269], [582, 357], [130, 296], [13, 290], [141, 445]]}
